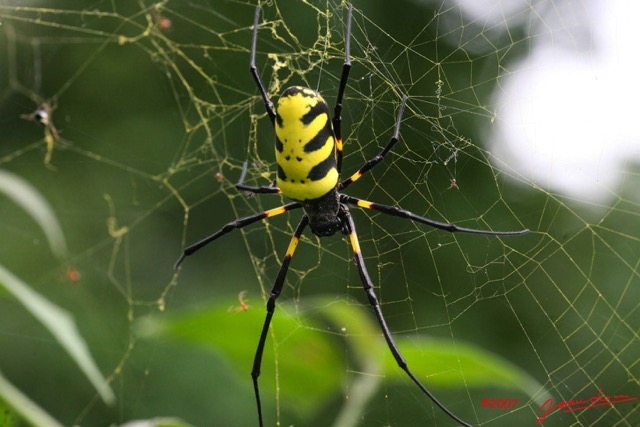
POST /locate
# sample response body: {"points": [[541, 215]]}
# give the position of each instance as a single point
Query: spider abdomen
{"points": [[305, 145]]}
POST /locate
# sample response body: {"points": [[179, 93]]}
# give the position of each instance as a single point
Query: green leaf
{"points": [[157, 422], [446, 364], [26, 196], [438, 362], [29, 410], [61, 325], [59, 322], [366, 346], [309, 359]]}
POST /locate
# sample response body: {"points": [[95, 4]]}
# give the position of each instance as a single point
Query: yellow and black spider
{"points": [[309, 157]]}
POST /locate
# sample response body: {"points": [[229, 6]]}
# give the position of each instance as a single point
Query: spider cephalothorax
{"points": [[324, 214]]}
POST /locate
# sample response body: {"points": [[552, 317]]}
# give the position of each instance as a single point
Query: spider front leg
{"points": [[344, 78], [377, 159], [271, 307], [367, 284], [404, 214], [268, 104], [265, 189], [238, 223]]}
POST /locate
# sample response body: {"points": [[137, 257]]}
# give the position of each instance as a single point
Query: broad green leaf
{"points": [[28, 198], [312, 362], [24, 406], [157, 422], [442, 363], [309, 362], [366, 346], [438, 363], [59, 322], [61, 325]]}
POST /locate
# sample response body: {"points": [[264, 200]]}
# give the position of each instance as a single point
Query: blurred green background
{"points": [[156, 111]]}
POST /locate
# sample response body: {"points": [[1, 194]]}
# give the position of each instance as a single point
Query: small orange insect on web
{"points": [[243, 306], [163, 23], [72, 274]]}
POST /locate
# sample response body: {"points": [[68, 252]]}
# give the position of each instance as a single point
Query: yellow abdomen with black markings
{"points": [[305, 145]]}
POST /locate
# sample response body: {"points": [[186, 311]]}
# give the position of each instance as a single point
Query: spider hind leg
{"points": [[367, 285], [271, 307]]}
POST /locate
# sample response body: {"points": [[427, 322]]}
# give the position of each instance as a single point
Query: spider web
{"points": [[154, 113]]}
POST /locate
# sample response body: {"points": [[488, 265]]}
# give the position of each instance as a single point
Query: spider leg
{"points": [[268, 104], [265, 189], [377, 159], [367, 284], [238, 223], [254, 71], [399, 212], [271, 306], [337, 119]]}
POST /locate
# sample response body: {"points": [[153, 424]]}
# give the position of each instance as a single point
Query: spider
{"points": [[42, 115], [308, 151]]}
